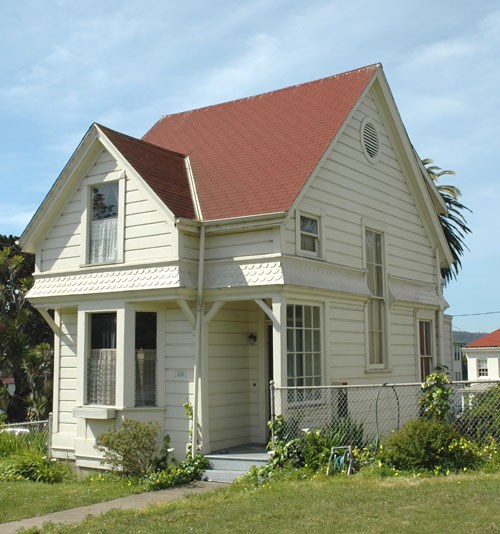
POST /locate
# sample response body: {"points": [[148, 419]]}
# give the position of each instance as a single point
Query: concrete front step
{"points": [[235, 463], [225, 476], [226, 466]]}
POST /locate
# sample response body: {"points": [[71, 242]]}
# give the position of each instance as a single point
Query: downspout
{"points": [[198, 343]]}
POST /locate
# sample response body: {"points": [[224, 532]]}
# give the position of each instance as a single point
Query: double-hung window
{"points": [[103, 229], [303, 349], [101, 369], [482, 367], [425, 348], [309, 235], [145, 359], [376, 304]]}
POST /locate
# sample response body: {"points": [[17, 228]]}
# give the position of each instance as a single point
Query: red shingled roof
{"points": [[163, 170], [254, 155], [489, 340]]}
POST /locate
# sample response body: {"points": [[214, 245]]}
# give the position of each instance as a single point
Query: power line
{"points": [[474, 314]]}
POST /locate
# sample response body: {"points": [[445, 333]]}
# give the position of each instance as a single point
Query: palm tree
{"points": [[454, 224]]}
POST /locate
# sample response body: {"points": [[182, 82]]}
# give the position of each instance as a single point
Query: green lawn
{"points": [[28, 499], [465, 503]]}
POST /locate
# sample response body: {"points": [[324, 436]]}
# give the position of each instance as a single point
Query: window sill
{"points": [[383, 371], [94, 412]]}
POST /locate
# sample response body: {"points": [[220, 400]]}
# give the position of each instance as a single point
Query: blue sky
{"points": [[66, 64]]}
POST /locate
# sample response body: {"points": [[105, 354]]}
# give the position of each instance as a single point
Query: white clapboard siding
{"points": [[67, 374], [349, 189], [148, 235], [179, 356], [232, 372], [239, 244]]}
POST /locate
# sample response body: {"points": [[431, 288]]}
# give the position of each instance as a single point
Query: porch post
{"points": [[279, 342]]}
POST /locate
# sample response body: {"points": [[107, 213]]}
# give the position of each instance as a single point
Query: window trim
{"points": [[318, 216], [86, 218], [480, 368], [136, 350], [425, 316], [384, 366], [322, 377], [87, 356]]}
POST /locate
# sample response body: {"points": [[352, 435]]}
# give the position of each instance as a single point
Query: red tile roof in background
{"points": [[163, 170], [254, 155], [490, 340]]}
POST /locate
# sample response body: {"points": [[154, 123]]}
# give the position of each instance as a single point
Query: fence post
{"points": [[272, 391], [49, 436]]}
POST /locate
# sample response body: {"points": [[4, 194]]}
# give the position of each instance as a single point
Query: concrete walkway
{"points": [[76, 515]]}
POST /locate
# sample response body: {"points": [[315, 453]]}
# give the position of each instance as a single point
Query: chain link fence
{"points": [[35, 433], [367, 413]]}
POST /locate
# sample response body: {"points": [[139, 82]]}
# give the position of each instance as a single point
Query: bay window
{"points": [[101, 370], [145, 359]]}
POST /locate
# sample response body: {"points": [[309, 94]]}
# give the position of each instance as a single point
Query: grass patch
{"points": [[458, 503], [22, 499]]}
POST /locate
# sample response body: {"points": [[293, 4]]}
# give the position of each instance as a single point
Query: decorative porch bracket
{"points": [[269, 312], [48, 319]]}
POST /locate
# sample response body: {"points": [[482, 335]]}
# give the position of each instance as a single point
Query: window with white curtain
{"points": [[104, 223], [101, 373]]}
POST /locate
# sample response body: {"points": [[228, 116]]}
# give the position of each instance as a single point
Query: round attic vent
{"points": [[370, 140]]}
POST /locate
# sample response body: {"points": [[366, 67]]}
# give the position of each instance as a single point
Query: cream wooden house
{"points": [[292, 236]]}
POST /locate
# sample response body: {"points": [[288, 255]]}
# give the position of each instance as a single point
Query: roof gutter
{"points": [[233, 224]]}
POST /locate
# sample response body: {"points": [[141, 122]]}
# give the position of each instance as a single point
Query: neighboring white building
{"points": [[483, 357], [292, 236]]}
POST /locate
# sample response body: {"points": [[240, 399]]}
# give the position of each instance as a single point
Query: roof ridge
{"points": [[373, 66], [140, 140]]}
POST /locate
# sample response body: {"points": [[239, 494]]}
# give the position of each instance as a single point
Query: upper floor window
{"points": [[309, 234], [376, 304], [103, 242], [482, 367]]}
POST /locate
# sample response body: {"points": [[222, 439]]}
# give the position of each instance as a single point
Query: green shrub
{"points": [[133, 448], [32, 466], [481, 421], [433, 445], [187, 471], [312, 449], [435, 401]]}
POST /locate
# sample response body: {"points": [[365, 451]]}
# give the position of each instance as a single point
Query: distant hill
{"points": [[467, 337]]}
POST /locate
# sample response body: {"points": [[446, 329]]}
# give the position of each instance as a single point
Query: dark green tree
{"points": [[454, 223], [22, 329]]}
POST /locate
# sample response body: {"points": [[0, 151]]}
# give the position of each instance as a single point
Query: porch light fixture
{"points": [[252, 339]]}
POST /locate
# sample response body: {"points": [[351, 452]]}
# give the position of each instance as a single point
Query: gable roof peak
{"points": [[254, 155], [368, 68]]}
